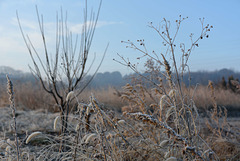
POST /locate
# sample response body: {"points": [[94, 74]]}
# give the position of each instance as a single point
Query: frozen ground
{"points": [[40, 120]]}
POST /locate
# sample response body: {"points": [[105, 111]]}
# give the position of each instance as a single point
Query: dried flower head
{"points": [[30, 137], [167, 66], [10, 89], [55, 123], [70, 96]]}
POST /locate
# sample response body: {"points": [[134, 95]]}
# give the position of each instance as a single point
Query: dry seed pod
{"points": [[55, 123], [70, 95], [30, 137]]}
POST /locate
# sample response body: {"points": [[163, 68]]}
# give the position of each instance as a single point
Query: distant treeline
{"points": [[104, 80]]}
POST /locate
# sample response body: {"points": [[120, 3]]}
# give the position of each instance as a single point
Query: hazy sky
{"points": [[126, 20]]}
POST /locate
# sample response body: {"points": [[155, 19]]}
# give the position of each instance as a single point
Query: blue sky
{"points": [[126, 20]]}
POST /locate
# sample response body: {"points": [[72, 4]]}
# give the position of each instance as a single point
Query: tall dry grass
{"points": [[225, 98], [31, 96], [96, 133]]}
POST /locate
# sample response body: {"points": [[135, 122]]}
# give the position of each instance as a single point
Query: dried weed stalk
{"points": [[175, 108], [12, 106]]}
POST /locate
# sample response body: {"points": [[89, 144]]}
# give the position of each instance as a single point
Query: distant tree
{"points": [[223, 83], [104, 80]]}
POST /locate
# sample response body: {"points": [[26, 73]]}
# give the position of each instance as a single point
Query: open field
{"points": [[31, 96], [123, 137], [29, 121]]}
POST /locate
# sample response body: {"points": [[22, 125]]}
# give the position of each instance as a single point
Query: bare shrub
{"points": [[63, 72]]}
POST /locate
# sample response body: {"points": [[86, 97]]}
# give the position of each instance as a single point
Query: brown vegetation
{"points": [[161, 121], [31, 96]]}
